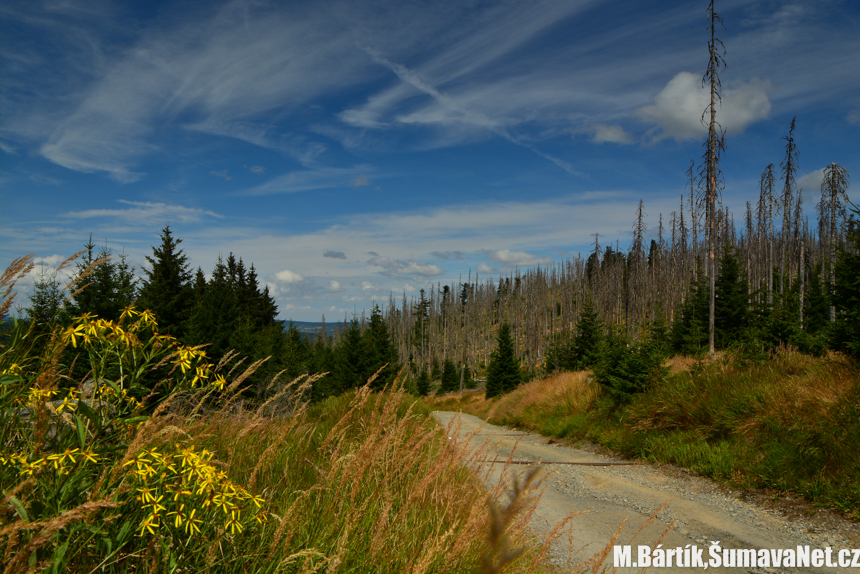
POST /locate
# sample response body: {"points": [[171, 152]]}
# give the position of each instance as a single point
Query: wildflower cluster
{"points": [[61, 463], [131, 343], [180, 491]]}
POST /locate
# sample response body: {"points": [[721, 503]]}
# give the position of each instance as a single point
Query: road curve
{"points": [[696, 511]]}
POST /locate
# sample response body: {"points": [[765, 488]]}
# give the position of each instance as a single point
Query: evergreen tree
{"points": [[689, 332], [348, 360], [108, 289], [586, 342], [46, 302], [321, 360], [846, 291], [732, 300], [816, 304], [167, 290], [450, 378], [627, 367], [423, 384], [468, 381], [583, 351], [436, 370], [213, 320], [297, 351], [503, 374], [378, 351]]}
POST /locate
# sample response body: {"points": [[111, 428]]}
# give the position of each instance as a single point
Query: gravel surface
{"points": [[695, 510]]}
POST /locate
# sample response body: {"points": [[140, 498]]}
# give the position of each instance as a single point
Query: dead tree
{"points": [[710, 173]]}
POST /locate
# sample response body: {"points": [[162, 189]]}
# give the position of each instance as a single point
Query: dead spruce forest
{"points": [[776, 267]]}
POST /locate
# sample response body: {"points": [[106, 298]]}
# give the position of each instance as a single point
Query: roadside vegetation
{"points": [[158, 460], [785, 423]]}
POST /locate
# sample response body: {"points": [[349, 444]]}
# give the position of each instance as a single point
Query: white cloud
{"points": [[811, 183], [853, 117], [486, 269], [258, 169], [287, 276], [334, 286], [677, 110], [602, 133], [359, 181], [145, 212], [51, 261], [407, 267], [508, 258], [369, 287]]}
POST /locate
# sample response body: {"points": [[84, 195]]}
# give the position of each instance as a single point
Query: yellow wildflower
{"points": [[149, 524], [192, 524], [89, 455], [219, 382], [233, 524], [13, 369], [179, 514], [128, 311], [60, 458]]}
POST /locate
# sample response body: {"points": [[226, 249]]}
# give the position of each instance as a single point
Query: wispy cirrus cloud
{"points": [[147, 212], [309, 179], [221, 74]]}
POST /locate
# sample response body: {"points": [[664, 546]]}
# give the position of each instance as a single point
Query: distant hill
{"points": [[308, 328]]}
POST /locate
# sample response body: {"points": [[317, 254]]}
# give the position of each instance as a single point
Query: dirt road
{"points": [[697, 511]]}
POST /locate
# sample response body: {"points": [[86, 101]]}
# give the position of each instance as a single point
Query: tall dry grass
{"points": [[548, 406]]}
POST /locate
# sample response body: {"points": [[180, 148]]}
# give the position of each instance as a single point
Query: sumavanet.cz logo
{"points": [[691, 556]]}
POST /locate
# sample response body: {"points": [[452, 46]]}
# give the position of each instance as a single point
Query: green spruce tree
{"points": [[107, 289], [732, 300], [468, 380], [503, 373], [379, 351], [846, 291], [423, 383], [689, 332], [167, 289], [348, 360], [213, 320], [450, 378]]}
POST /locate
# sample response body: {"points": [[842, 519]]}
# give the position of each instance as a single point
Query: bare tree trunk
{"points": [[715, 145]]}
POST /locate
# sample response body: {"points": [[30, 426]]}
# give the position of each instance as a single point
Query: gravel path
{"points": [[696, 510]]}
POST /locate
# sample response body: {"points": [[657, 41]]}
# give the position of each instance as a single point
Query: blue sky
{"points": [[351, 149]]}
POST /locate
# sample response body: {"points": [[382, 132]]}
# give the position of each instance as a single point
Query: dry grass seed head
{"points": [[16, 270], [19, 562]]}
